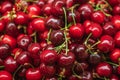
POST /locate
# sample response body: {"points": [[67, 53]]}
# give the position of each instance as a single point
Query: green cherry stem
{"points": [[1, 67], [112, 63], [48, 37], [87, 38]]}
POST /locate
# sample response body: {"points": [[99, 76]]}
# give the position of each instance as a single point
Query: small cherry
{"points": [[4, 75]]}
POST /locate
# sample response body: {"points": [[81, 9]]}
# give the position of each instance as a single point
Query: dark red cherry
{"points": [[104, 69], [4, 75], [95, 58], [48, 57], [47, 9], [12, 30], [33, 74], [73, 77], [117, 39], [66, 60], [106, 44], [70, 3], [57, 37], [109, 29], [87, 76], [95, 29], [54, 23], [4, 50], [114, 77], [118, 69], [10, 64], [34, 49], [6, 6], [2, 25], [21, 18], [23, 58], [23, 41], [38, 24], [116, 21], [76, 31], [85, 10], [116, 10], [98, 17], [47, 70], [115, 55]]}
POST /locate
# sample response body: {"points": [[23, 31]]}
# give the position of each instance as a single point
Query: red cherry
{"points": [[116, 21], [115, 55], [118, 69], [47, 9], [4, 75], [38, 24], [117, 39], [104, 69], [33, 74], [116, 10], [114, 77], [2, 25], [76, 31]]}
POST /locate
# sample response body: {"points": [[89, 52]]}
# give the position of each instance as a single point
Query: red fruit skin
{"points": [[115, 55], [38, 24], [116, 21], [33, 74], [4, 75], [103, 69], [76, 31], [117, 39], [118, 70], [2, 25], [114, 77], [9, 40], [106, 44]]}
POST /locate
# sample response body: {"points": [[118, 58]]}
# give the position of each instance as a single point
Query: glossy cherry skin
{"points": [[48, 57], [51, 78], [2, 25], [87, 23], [33, 11], [47, 70], [4, 75], [57, 37], [23, 41], [30, 29], [10, 64], [98, 17], [95, 29], [38, 24], [109, 29], [69, 3], [21, 18], [65, 60], [54, 23], [33, 74], [23, 58], [6, 6], [116, 10], [47, 10], [106, 44], [117, 39], [116, 21], [76, 31], [11, 29], [115, 55], [87, 76], [4, 50], [104, 69], [114, 77], [85, 11], [34, 49], [6, 39], [7, 17], [114, 2]]}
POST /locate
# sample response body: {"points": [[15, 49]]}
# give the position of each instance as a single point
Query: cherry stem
{"points": [[87, 38], [66, 43], [72, 10], [48, 37], [35, 37], [112, 63], [65, 14], [59, 48], [17, 71], [29, 65], [31, 0], [1, 67], [95, 44]]}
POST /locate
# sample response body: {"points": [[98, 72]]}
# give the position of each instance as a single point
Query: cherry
{"points": [[114, 77], [33, 74], [6, 6], [73, 77], [54, 23], [95, 29], [23, 41], [47, 70], [4, 50], [34, 49], [66, 60], [51, 78], [85, 10], [116, 21], [70, 3], [33, 11], [4, 75], [98, 17], [22, 72], [109, 29], [6, 39], [117, 39], [30, 29], [38, 24], [16, 52], [114, 2], [11, 28], [23, 58], [2, 25], [10, 64], [57, 37], [104, 69], [87, 23], [118, 69], [48, 57], [21, 18], [106, 44], [7, 17], [47, 10], [115, 55], [116, 10], [76, 31], [44, 36], [87, 76]]}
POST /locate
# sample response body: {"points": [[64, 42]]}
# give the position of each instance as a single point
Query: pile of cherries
{"points": [[59, 39]]}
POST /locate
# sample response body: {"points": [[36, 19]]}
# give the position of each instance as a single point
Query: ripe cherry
{"points": [[4, 75], [117, 39], [116, 10], [2, 25]]}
